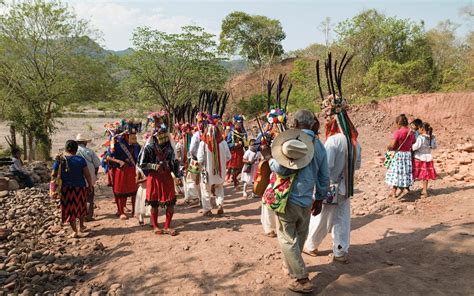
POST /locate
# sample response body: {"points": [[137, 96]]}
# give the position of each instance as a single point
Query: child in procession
{"points": [[250, 160]]}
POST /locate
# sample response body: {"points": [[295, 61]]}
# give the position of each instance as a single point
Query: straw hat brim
{"points": [[282, 159]]}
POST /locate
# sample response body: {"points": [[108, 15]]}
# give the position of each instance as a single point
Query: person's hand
{"points": [[121, 163], [317, 207]]}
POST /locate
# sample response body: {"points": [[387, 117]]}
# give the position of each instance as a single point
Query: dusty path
{"points": [[424, 249]]}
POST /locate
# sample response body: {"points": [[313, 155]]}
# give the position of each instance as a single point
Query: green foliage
{"points": [[256, 104], [41, 66], [172, 68], [303, 94], [256, 38], [389, 78]]}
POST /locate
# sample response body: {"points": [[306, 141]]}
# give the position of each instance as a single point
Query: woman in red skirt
{"points": [[423, 169], [122, 157], [73, 172], [158, 163], [237, 141]]}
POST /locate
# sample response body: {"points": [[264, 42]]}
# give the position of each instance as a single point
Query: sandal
{"points": [[84, 229], [341, 259], [301, 286], [123, 217], [271, 234], [207, 214], [73, 235], [157, 231], [424, 195], [170, 231], [313, 253]]}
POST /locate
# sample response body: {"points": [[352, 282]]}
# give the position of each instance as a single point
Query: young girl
{"points": [[415, 126], [423, 166], [250, 160]]}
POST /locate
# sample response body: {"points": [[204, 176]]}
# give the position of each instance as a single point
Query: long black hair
{"points": [[427, 127]]}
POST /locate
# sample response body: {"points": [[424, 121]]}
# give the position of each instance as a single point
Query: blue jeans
{"points": [[25, 178]]}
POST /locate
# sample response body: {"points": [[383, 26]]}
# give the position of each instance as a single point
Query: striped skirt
{"points": [[400, 171], [73, 203]]}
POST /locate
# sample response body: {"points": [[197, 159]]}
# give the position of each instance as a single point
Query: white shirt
{"points": [[336, 149], [194, 146], [204, 157], [93, 162], [422, 147], [17, 166]]}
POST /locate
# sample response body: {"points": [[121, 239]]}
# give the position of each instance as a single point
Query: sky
{"points": [[117, 19]]}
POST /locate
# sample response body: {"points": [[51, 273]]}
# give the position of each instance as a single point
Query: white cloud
{"points": [[117, 21]]}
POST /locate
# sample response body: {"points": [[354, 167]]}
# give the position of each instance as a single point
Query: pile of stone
{"points": [[38, 171], [36, 255], [456, 165]]}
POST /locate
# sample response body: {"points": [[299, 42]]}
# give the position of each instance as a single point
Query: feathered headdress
{"points": [[335, 108]]}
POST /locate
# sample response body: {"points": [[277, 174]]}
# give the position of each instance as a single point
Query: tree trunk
{"points": [[31, 155], [25, 148], [13, 136], [43, 147]]}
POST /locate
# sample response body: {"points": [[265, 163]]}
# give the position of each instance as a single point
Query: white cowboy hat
{"points": [[293, 149], [81, 138]]}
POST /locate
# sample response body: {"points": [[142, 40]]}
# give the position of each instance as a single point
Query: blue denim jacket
{"points": [[310, 180]]}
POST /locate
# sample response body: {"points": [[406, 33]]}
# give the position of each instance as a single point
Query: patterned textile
{"points": [[73, 203], [276, 195], [400, 172], [424, 170]]}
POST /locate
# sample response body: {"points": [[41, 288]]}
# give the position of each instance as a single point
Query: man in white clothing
{"points": [[212, 155], [335, 216]]}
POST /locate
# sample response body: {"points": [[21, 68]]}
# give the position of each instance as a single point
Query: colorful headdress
{"points": [[238, 118], [276, 116], [335, 108], [130, 126]]}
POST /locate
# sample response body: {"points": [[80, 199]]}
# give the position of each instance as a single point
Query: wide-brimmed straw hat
{"points": [[293, 149], [81, 138]]}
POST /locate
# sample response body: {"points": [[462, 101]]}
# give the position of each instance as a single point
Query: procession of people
{"points": [[303, 186]]}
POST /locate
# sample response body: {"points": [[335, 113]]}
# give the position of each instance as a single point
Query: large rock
{"points": [[3, 183], [13, 185]]}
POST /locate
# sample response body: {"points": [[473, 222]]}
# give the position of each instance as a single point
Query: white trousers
{"points": [[335, 219], [206, 194], [191, 190], [268, 219]]}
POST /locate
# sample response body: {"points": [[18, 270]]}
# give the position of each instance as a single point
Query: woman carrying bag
{"points": [[69, 174]]}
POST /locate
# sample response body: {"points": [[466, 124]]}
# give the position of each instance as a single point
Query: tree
{"points": [[451, 57], [256, 38], [39, 44], [175, 67]]}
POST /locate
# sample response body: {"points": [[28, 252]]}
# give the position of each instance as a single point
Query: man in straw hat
{"points": [[93, 164], [299, 152]]}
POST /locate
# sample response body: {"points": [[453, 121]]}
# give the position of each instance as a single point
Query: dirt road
{"points": [[398, 246]]}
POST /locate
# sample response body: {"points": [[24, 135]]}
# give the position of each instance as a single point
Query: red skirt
{"points": [[160, 189], [73, 203], [110, 177], [237, 158], [423, 170], [124, 183]]}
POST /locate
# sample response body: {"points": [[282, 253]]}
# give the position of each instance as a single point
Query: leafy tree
{"points": [[174, 67], [256, 38], [39, 65], [303, 94], [253, 106], [451, 57]]}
